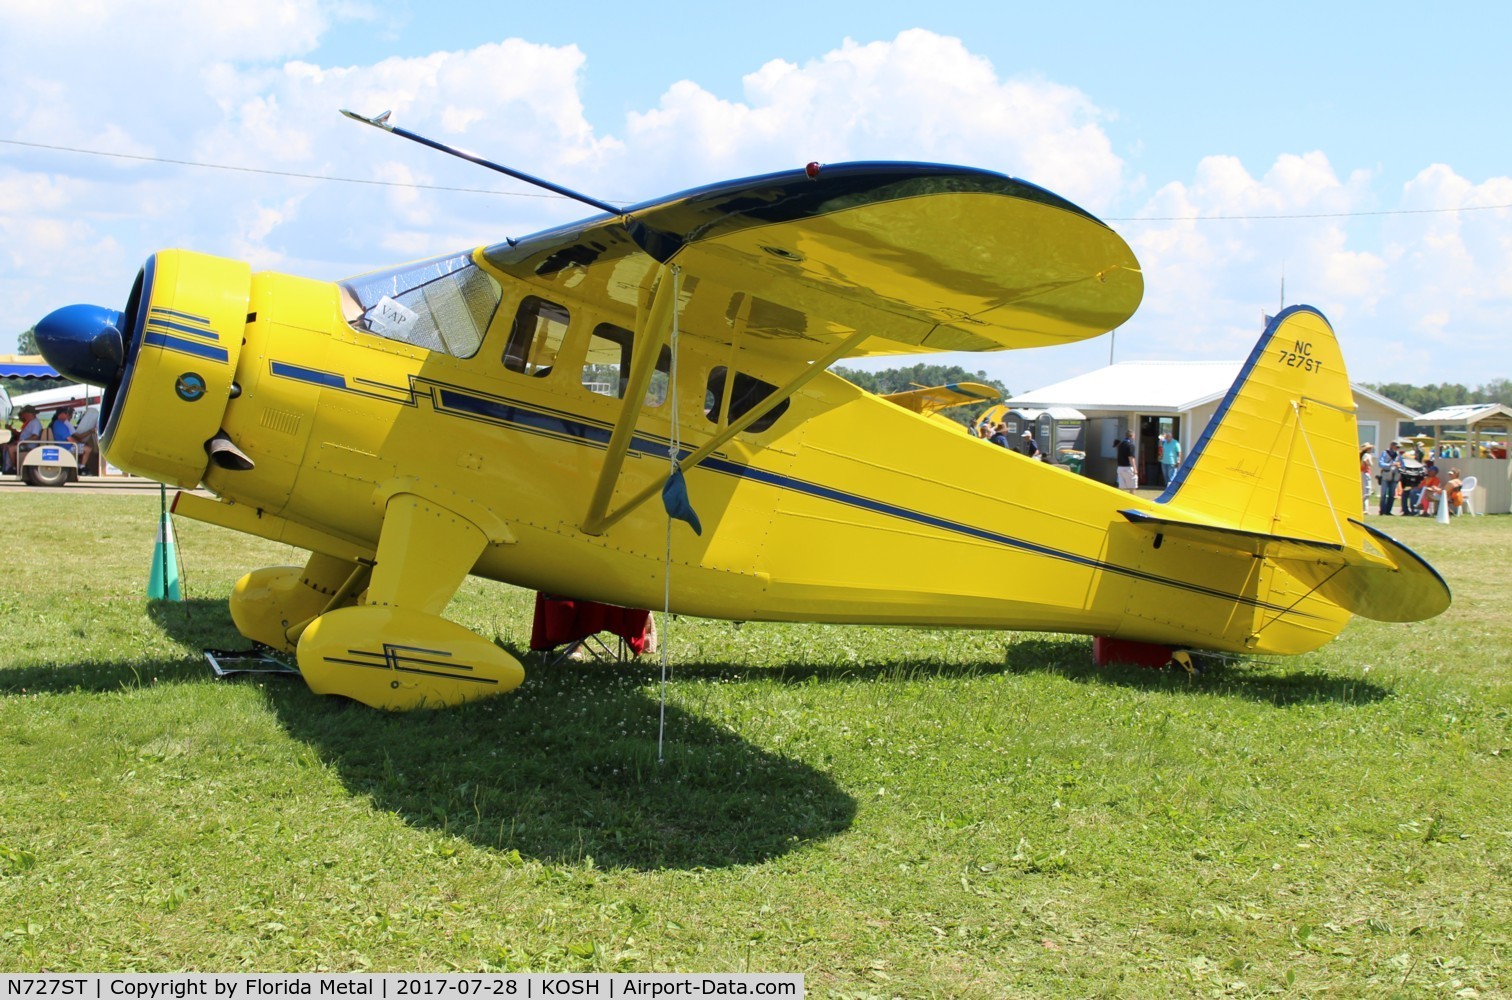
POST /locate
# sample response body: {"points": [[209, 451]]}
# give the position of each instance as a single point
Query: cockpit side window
{"points": [[606, 367], [745, 394], [536, 338], [443, 304]]}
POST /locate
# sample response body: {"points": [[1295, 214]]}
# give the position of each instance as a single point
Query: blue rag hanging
{"points": [[675, 499]]}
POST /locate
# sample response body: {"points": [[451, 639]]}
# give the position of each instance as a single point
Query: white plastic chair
{"points": [[1467, 490]]}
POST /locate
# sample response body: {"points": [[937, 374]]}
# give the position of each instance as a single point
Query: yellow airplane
{"points": [[513, 411]]}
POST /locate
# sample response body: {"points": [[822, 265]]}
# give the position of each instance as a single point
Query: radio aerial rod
{"points": [[381, 121]]}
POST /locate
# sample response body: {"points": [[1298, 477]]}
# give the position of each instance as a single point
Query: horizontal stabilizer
{"points": [[942, 397], [1373, 576], [1401, 587], [1240, 540]]}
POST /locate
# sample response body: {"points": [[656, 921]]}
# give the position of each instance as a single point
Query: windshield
{"points": [[443, 304]]}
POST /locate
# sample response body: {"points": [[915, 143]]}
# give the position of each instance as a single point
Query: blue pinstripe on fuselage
{"points": [[517, 415]]}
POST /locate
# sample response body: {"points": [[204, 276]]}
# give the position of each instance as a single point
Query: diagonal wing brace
{"points": [[745, 420], [648, 343]]}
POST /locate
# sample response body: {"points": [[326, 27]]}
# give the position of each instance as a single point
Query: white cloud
{"points": [[1454, 268], [1412, 296], [512, 98], [920, 96], [247, 86], [1217, 249], [169, 32]]}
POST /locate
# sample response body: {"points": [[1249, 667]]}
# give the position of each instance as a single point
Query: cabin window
{"points": [[606, 367], [536, 338], [745, 393], [443, 304]]}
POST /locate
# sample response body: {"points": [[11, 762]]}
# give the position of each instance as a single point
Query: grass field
{"points": [[891, 812]]}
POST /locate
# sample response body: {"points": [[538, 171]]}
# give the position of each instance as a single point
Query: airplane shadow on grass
{"points": [[563, 769], [1071, 658], [566, 767]]}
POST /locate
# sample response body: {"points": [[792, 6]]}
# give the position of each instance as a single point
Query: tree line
{"points": [[1425, 398]]}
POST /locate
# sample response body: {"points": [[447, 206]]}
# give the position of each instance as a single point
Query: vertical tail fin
{"points": [[1280, 455], [1275, 474]]}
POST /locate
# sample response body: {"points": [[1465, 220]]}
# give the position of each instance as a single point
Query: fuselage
{"points": [[845, 508]]}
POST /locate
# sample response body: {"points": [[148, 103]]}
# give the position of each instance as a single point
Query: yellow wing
{"points": [[921, 257]]}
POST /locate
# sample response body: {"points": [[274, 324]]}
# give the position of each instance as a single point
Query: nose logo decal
{"points": [[190, 387]]}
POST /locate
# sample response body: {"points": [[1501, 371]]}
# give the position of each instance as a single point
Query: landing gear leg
{"points": [[396, 652]]}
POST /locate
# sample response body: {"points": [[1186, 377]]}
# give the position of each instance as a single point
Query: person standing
{"points": [[1170, 456], [1412, 485], [1030, 448], [1391, 475], [1367, 472], [1128, 472]]}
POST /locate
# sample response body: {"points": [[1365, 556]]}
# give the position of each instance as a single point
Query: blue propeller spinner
{"points": [[83, 343]]}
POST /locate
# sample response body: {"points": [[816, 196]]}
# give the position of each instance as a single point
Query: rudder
{"points": [[1274, 474], [1280, 455]]}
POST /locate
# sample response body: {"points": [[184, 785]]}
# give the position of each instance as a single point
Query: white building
{"points": [[1180, 397]]}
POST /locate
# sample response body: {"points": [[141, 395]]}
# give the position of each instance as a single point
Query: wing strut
{"points": [[648, 343], [742, 323], [745, 420]]}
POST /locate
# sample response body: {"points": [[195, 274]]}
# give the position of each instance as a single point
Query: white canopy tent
{"points": [[1488, 433]]}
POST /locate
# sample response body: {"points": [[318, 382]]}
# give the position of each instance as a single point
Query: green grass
{"points": [[891, 812]]}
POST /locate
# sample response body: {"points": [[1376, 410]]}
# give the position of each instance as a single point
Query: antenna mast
{"points": [[382, 121]]}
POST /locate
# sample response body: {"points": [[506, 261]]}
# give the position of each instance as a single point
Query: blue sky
{"points": [[1362, 148]]}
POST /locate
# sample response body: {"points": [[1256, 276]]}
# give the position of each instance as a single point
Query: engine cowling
{"points": [[168, 361]]}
